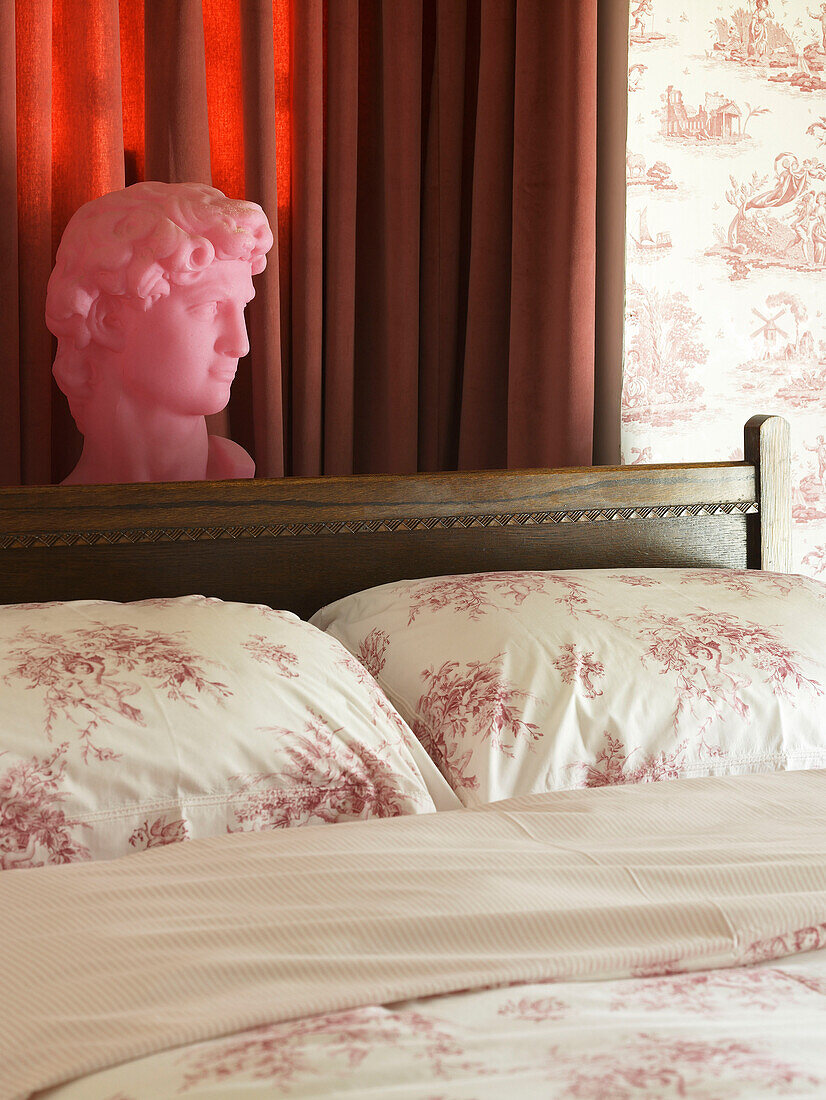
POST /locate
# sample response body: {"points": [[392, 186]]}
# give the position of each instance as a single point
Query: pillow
{"points": [[125, 726], [533, 681]]}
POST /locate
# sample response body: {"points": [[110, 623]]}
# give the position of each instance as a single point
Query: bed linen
{"points": [[188, 943], [129, 726], [751, 1031], [526, 681]]}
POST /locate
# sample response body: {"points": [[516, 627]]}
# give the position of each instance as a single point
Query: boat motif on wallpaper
{"points": [[662, 359], [717, 121], [779, 223], [759, 38], [648, 245]]}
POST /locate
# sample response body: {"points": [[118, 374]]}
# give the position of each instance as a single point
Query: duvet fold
{"points": [[105, 962]]}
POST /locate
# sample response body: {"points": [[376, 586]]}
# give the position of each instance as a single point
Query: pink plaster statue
{"points": [[147, 301]]}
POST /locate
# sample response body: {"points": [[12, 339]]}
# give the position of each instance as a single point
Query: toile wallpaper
{"points": [[726, 238]]}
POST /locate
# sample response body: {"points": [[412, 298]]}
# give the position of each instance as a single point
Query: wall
{"points": [[726, 238]]}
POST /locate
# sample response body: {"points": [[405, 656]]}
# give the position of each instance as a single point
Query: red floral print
{"points": [[536, 1010], [380, 706], [612, 765], [325, 780], [638, 579], [158, 832], [371, 652], [471, 594], [580, 668], [34, 829], [272, 653], [281, 1053], [810, 938], [472, 707], [744, 583], [81, 674], [702, 993], [699, 650], [655, 1066]]}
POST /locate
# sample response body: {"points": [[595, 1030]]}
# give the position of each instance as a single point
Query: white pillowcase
{"points": [[124, 726], [532, 681]]}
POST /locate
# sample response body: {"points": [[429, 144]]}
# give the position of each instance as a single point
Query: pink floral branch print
{"points": [[282, 1053], [324, 780], [703, 992], [80, 673], [612, 765], [581, 668], [272, 653], [471, 594], [535, 1010], [810, 938], [467, 707], [744, 582], [34, 828], [638, 579], [699, 650], [654, 1066], [371, 652], [159, 832]]}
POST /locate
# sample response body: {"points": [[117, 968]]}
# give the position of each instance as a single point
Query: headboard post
{"points": [[767, 446]]}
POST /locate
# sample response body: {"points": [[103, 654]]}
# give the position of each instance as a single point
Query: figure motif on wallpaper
{"points": [[663, 352], [756, 37], [147, 301], [641, 29], [782, 225]]}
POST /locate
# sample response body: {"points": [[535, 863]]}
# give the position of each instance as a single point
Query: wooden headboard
{"points": [[298, 543]]}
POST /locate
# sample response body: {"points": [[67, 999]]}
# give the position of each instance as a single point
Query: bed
{"points": [[570, 929]]}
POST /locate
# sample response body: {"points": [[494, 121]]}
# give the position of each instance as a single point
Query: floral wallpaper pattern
{"points": [[726, 237]]}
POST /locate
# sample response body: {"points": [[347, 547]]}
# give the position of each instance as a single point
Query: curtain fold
{"points": [[429, 169]]}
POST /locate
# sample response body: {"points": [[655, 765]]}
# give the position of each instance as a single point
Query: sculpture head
{"points": [[147, 301]]}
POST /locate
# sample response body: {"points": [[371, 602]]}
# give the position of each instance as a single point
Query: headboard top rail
{"points": [[300, 542]]}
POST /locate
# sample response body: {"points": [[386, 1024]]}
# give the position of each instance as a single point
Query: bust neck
{"points": [[130, 442]]}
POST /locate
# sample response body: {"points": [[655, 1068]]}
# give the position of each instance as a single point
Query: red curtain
{"points": [[430, 166]]}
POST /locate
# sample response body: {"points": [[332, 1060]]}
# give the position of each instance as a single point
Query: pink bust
{"points": [[147, 302]]}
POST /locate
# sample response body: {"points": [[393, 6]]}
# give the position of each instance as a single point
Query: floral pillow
{"points": [[533, 681], [125, 726]]}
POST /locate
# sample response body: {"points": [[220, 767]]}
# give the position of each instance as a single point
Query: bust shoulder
{"points": [[227, 460]]}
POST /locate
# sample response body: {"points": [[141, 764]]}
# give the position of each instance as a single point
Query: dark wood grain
{"points": [[298, 543]]}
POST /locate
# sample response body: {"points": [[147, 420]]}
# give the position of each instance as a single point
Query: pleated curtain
{"points": [[431, 170]]}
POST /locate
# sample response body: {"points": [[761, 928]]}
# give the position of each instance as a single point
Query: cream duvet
{"points": [[649, 940]]}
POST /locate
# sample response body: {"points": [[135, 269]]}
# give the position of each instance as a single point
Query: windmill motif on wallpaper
{"points": [[726, 154]]}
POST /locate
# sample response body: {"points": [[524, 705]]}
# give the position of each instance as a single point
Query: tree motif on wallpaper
{"points": [[158, 832], [663, 353], [283, 1053], [468, 705], [34, 828], [82, 675], [320, 778], [712, 657]]}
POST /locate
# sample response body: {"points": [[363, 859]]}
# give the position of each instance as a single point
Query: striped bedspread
{"points": [[102, 963]]}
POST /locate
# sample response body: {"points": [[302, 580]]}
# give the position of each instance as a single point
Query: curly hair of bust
{"points": [[133, 246]]}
